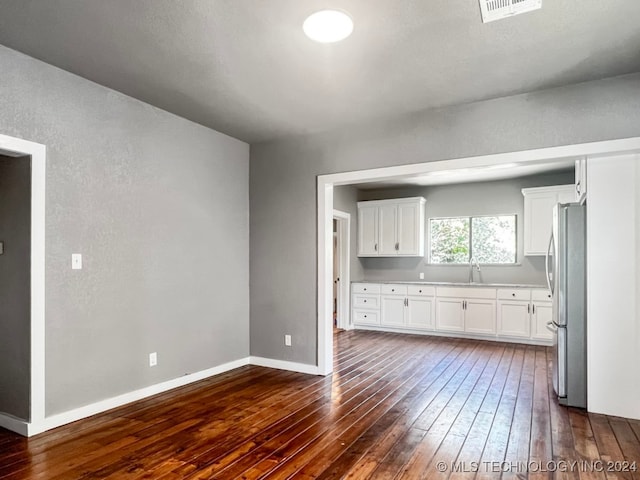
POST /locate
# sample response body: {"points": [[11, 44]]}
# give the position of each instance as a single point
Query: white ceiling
{"points": [[245, 68]]}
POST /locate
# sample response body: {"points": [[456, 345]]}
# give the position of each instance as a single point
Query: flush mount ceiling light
{"points": [[328, 26]]}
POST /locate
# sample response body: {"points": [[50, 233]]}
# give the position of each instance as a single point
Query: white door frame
{"points": [[17, 147], [325, 211], [344, 244]]}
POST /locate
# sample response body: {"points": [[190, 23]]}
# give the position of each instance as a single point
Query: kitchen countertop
{"points": [[452, 284]]}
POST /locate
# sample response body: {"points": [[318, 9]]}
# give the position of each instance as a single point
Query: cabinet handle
{"points": [[578, 187], [364, 301], [513, 294], [464, 304], [528, 308], [534, 308], [397, 246], [375, 247]]}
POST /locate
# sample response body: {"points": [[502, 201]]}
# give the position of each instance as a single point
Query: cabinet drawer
{"points": [[514, 294], [541, 295], [366, 301], [466, 292], [393, 289], [421, 290], [369, 288], [365, 317]]}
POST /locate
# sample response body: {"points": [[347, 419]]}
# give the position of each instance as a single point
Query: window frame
{"points": [[430, 262]]}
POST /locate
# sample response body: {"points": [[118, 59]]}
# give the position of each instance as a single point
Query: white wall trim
{"points": [[344, 247], [284, 365], [14, 424], [325, 184], [38, 152], [29, 429], [104, 405]]}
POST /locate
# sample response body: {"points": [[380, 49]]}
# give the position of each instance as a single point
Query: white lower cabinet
{"points": [[393, 310], [420, 312], [514, 319], [517, 314], [524, 314], [450, 314], [464, 309], [542, 315], [480, 316]]}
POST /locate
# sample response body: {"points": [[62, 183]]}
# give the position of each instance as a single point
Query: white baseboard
{"points": [[104, 405], [29, 429], [14, 424], [284, 365]]}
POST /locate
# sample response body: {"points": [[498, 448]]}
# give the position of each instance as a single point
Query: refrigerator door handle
{"points": [[546, 264]]}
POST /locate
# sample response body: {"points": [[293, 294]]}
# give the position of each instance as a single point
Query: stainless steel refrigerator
{"points": [[566, 278]]}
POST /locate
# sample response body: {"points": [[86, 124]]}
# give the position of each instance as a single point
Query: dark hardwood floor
{"points": [[396, 407]]}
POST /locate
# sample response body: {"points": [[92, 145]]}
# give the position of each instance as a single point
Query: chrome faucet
{"points": [[473, 261]]}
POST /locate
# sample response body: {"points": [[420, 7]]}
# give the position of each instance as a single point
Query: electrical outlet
{"points": [[76, 261], [421, 275], [287, 340], [153, 359]]}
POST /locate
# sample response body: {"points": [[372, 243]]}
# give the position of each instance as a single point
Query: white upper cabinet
{"points": [[538, 215], [391, 228], [388, 227], [581, 180], [367, 231]]}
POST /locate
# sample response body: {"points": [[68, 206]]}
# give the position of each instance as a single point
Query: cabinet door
{"points": [[387, 225], [538, 217], [367, 231], [480, 316], [543, 313], [393, 309], [449, 315], [408, 229], [419, 312], [514, 319]]}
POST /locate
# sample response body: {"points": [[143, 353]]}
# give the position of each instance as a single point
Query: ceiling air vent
{"points": [[498, 9]]}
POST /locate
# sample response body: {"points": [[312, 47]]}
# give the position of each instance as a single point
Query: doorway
{"points": [[15, 281], [29, 418], [326, 183], [341, 269]]}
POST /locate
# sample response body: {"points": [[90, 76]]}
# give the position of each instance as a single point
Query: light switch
{"points": [[76, 261]]}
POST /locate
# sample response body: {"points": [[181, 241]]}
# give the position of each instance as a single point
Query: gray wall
{"points": [[15, 283], [158, 206], [482, 198], [345, 198], [283, 182]]}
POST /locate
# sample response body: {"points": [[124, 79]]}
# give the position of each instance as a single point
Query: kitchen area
{"points": [[485, 255]]}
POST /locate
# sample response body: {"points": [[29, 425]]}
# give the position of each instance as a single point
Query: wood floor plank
{"points": [[396, 406]]}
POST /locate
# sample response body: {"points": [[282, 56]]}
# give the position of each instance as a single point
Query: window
{"points": [[486, 239]]}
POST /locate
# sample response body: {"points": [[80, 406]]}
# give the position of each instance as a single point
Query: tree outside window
{"points": [[488, 239]]}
